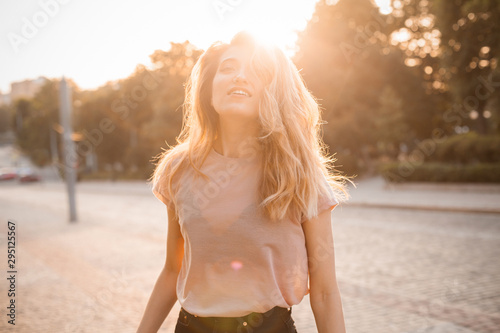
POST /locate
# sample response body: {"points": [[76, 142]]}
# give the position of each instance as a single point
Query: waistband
{"points": [[276, 311]]}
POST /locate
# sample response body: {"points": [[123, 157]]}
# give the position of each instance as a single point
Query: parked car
{"points": [[27, 174], [8, 173]]}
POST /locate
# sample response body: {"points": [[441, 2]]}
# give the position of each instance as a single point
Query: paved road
{"points": [[399, 270]]}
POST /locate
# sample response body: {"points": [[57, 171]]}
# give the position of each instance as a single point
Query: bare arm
{"points": [[324, 292], [163, 296]]}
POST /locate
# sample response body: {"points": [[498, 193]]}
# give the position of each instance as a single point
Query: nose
{"points": [[240, 75]]}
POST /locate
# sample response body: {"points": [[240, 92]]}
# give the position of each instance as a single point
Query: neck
{"points": [[236, 140]]}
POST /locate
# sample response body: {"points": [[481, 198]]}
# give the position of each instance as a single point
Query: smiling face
{"points": [[236, 90]]}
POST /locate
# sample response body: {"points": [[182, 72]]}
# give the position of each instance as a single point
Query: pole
{"points": [[69, 155]]}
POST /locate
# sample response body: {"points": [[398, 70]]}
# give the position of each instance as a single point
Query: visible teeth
{"points": [[240, 92]]}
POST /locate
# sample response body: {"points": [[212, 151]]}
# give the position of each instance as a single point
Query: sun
{"points": [[272, 23], [276, 23], [271, 36]]}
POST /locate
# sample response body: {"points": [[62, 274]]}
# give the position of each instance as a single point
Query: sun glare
{"points": [[270, 22], [270, 37], [115, 56], [277, 29]]}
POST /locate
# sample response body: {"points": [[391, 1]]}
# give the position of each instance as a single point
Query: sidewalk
{"points": [[473, 198], [96, 275]]}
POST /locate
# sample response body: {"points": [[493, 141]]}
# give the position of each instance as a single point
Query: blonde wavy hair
{"points": [[294, 157]]}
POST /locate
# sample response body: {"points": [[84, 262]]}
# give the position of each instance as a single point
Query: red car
{"points": [[8, 173], [27, 175]]}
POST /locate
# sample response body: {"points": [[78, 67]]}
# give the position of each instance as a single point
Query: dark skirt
{"points": [[276, 320]]}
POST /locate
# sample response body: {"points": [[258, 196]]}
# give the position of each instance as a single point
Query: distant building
{"points": [[26, 88], [4, 99]]}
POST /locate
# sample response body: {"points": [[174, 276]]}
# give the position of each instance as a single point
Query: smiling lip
{"points": [[238, 91]]}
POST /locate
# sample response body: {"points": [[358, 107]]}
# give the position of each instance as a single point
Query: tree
{"points": [[470, 47], [391, 126], [36, 119], [347, 58], [455, 45], [144, 110], [5, 119]]}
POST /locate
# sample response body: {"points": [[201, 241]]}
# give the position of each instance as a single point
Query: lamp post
{"points": [[70, 157]]}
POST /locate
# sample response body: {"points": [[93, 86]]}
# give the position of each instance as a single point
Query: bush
{"points": [[441, 172], [466, 149], [348, 164]]}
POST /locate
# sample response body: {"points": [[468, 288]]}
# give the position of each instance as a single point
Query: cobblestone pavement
{"points": [[399, 270]]}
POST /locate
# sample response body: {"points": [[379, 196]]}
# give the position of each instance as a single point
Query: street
{"points": [[399, 270]]}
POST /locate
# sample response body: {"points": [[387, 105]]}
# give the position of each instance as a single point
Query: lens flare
{"points": [[236, 265]]}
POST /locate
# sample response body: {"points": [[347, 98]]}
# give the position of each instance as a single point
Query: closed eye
{"points": [[227, 68], [228, 65]]}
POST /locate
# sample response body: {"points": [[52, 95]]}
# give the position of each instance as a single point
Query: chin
{"points": [[239, 112]]}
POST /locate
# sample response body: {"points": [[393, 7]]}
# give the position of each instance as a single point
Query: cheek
{"points": [[260, 96], [217, 88], [218, 94]]}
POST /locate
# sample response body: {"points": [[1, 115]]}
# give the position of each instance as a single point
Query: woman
{"points": [[249, 197]]}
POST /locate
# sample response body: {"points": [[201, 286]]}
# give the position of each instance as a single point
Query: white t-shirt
{"points": [[236, 261]]}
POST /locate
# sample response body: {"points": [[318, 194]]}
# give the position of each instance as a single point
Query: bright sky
{"points": [[95, 41]]}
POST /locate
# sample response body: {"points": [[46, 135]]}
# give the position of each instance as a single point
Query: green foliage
{"points": [[470, 54], [33, 120], [372, 101], [467, 148], [145, 110], [370, 98], [5, 119], [391, 124], [125, 122], [461, 158], [441, 172], [348, 163]]}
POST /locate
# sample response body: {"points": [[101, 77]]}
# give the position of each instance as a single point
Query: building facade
{"points": [[26, 88]]}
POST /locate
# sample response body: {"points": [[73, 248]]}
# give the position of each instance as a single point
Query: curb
{"points": [[428, 208], [449, 187]]}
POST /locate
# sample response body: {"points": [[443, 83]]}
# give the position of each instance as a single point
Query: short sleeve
{"points": [[328, 201], [160, 190], [161, 193]]}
